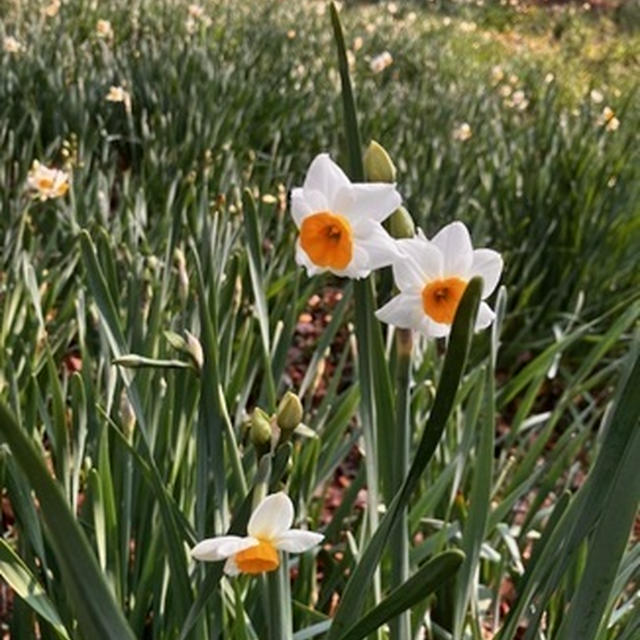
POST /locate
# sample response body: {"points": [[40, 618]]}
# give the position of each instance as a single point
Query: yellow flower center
{"points": [[262, 557], [440, 299], [327, 240], [44, 184]]}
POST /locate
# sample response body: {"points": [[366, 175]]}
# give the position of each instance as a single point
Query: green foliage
{"points": [[121, 450]]}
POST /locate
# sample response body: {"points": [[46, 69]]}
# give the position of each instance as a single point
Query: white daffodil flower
{"points": [[269, 532], [48, 183], [433, 275], [340, 222]]}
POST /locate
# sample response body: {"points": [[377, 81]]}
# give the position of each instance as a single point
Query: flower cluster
{"points": [[341, 232]]}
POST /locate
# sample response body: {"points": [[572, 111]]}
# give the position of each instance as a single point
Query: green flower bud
{"points": [[401, 224], [260, 431], [377, 164], [290, 412], [194, 348]]}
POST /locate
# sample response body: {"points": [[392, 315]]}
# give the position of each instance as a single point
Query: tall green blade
{"points": [[94, 605], [461, 334], [430, 577]]}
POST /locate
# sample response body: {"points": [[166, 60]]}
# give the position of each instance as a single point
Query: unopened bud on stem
{"points": [[290, 413], [378, 166], [401, 224], [260, 431]]}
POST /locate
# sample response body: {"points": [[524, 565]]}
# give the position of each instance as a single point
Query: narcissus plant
{"points": [[269, 532]]}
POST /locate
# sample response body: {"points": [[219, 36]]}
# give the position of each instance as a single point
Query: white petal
{"points": [[457, 251], [485, 316], [325, 176], [230, 567], [423, 262], [272, 517], [488, 264], [381, 248], [300, 207], [358, 267], [298, 541], [367, 201], [404, 311], [213, 549], [433, 329]]}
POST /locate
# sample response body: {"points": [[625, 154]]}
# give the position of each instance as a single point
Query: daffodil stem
{"points": [[399, 544], [279, 595]]}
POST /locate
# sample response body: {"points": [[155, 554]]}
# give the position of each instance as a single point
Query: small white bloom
{"points": [[497, 74], [119, 94], [340, 222], [51, 9], [463, 132], [549, 78], [596, 96], [381, 62], [608, 119], [11, 45], [104, 29], [269, 532], [432, 277], [47, 182]]}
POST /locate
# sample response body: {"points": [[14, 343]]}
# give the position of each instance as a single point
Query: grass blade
{"points": [[430, 577], [96, 609]]}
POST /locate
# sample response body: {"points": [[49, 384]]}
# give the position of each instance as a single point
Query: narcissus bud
{"points": [[378, 166], [290, 412], [194, 349], [401, 224], [183, 276], [260, 431]]}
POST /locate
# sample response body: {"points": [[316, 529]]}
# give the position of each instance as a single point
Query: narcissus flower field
{"points": [[319, 320]]}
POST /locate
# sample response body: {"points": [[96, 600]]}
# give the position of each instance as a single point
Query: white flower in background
{"points": [[392, 8], [269, 532], [596, 96], [104, 29], [51, 9], [462, 132], [549, 78], [518, 100], [432, 277], [340, 222], [47, 182], [468, 27], [497, 74], [11, 45], [197, 14], [119, 94], [195, 10], [357, 43], [381, 62], [608, 119]]}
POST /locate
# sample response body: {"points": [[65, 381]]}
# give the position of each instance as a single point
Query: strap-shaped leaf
{"points": [[94, 605], [431, 576], [461, 334]]}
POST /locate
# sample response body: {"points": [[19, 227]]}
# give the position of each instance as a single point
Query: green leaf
{"points": [[18, 576], [452, 370], [430, 577], [606, 549], [95, 607]]}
